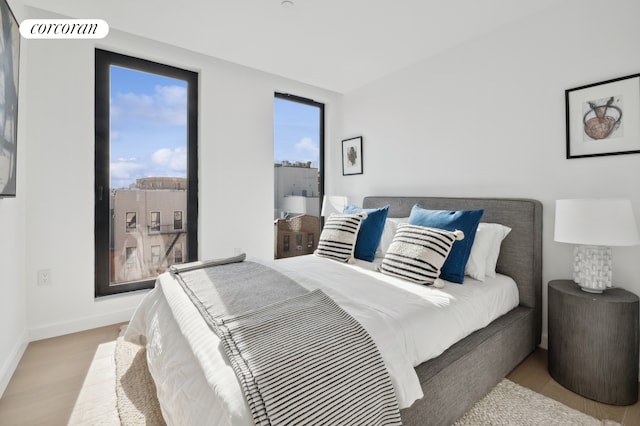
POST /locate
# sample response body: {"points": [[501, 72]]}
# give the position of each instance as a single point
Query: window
{"points": [[146, 159], [155, 256], [298, 169], [177, 253], [130, 255], [310, 241], [155, 221], [130, 221]]}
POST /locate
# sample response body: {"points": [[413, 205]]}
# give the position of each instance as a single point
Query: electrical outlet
{"points": [[44, 277]]}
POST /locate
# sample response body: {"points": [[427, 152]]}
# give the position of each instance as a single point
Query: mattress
{"points": [[409, 323]]}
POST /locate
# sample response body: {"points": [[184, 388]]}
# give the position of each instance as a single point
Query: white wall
{"points": [[488, 119], [235, 156], [13, 299], [13, 302]]}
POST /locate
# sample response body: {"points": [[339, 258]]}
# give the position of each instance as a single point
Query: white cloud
{"points": [[163, 162], [172, 95], [168, 105], [123, 172], [174, 160], [305, 146]]}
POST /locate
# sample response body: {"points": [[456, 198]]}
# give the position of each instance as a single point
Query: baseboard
{"points": [[81, 324], [11, 363]]}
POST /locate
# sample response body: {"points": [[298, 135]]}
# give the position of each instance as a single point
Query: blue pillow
{"points": [[464, 220], [370, 231]]}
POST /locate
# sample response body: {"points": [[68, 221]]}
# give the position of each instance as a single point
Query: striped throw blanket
{"points": [[302, 360]]}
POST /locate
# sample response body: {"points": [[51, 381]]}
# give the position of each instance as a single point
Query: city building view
{"points": [[296, 209], [298, 125], [149, 229]]}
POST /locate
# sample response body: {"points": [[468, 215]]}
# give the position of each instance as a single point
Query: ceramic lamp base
{"points": [[592, 268]]}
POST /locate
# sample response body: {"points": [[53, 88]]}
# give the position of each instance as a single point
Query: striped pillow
{"points": [[338, 237], [417, 253]]}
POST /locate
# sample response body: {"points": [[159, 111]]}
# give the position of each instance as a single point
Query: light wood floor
{"points": [[70, 380], [67, 380], [533, 374]]}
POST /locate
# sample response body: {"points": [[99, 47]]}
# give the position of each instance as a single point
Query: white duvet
{"points": [[410, 324]]}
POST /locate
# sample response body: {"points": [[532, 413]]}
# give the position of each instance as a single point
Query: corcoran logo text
{"points": [[64, 28]]}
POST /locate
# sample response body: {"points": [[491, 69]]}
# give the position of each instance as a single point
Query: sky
{"points": [[148, 126], [296, 132], [149, 133]]}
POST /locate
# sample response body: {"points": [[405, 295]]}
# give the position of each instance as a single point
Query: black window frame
{"points": [[320, 105], [104, 59]]}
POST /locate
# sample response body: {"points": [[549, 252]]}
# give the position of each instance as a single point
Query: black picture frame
{"points": [[10, 62], [352, 156], [604, 118]]}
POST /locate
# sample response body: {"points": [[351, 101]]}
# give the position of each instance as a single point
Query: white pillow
{"points": [[485, 250], [389, 231], [338, 237], [417, 253], [500, 233]]}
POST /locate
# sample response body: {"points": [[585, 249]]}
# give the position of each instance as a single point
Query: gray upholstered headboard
{"points": [[521, 251]]}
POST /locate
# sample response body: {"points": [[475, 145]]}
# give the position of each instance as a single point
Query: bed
{"points": [[469, 369], [193, 385]]}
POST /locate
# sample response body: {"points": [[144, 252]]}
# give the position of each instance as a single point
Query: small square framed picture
{"points": [[352, 156]]}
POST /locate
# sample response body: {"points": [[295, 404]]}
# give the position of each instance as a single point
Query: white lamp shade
{"points": [[598, 222], [333, 204]]}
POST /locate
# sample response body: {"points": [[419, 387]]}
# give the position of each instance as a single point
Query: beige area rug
{"points": [[511, 404], [135, 391], [508, 404]]}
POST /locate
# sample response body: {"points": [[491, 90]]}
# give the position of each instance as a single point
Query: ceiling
{"points": [[338, 45]]}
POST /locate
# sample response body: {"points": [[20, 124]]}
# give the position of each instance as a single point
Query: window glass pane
{"points": [[155, 255], [298, 140], [177, 253], [131, 221], [131, 257], [148, 170]]}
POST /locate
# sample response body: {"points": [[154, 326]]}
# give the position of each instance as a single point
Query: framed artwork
{"points": [[9, 62], [352, 156], [604, 118]]}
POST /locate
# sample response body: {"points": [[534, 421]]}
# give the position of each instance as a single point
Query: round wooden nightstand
{"points": [[593, 342]]}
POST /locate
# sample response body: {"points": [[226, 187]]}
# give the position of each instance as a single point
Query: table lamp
{"points": [[595, 225], [333, 204]]}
